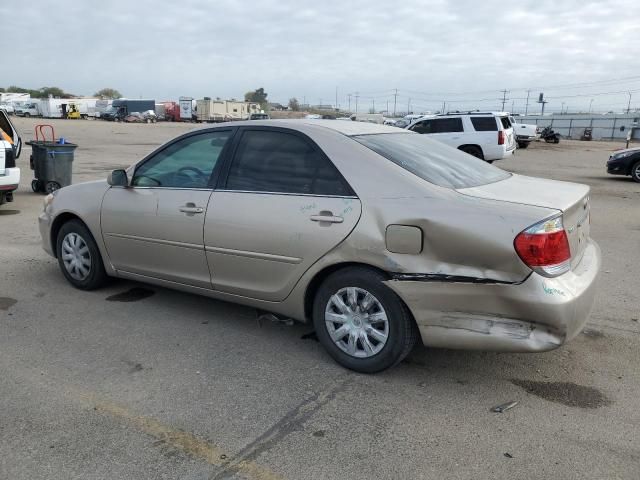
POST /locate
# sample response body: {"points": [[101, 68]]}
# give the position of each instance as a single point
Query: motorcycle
{"points": [[549, 136]]}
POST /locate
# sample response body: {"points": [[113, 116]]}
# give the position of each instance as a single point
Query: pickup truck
{"points": [[525, 133], [9, 152], [28, 110]]}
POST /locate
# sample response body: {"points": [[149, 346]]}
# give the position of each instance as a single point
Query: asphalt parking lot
{"points": [[140, 382]]}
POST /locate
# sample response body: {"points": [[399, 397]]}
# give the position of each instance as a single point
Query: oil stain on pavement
{"points": [[565, 393], [6, 303], [132, 295], [9, 212]]}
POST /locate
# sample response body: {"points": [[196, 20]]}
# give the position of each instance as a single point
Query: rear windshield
{"points": [[484, 124], [505, 122], [432, 161]]}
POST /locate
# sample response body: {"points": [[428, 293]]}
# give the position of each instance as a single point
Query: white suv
{"points": [[488, 135]]}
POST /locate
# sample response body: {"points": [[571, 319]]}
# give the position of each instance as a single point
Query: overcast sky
{"points": [[459, 51]]}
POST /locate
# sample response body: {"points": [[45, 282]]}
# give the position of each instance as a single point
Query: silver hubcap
{"points": [[76, 256], [637, 173], [356, 322]]}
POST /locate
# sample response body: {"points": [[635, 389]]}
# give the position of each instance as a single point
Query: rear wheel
{"points": [[79, 257], [635, 172], [473, 150], [523, 144], [361, 322], [37, 185]]}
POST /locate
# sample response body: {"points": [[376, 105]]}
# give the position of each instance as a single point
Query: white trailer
{"points": [[224, 110]]}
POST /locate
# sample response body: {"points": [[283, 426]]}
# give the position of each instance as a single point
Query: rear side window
{"points": [[432, 160], [272, 161], [505, 122], [484, 124]]}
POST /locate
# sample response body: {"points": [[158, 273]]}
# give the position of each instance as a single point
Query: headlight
{"points": [[617, 156], [48, 199]]}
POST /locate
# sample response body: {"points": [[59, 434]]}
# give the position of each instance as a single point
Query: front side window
{"points": [[187, 163], [433, 161], [273, 161], [422, 127], [484, 124]]}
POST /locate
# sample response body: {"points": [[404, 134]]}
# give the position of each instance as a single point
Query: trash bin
{"points": [[51, 162]]}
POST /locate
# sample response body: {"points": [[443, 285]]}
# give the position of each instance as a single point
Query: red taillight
{"points": [[501, 137], [545, 247]]}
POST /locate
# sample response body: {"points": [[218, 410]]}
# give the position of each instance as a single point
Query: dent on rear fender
{"points": [[461, 237]]}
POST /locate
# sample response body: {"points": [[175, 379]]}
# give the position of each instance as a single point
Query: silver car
{"points": [[378, 236]]}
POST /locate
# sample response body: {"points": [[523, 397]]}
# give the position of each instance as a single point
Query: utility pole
{"points": [[349, 96], [336, 98], [512, 103], [387, 107], [629, 104], [526, 107], [395, 101], [373, 104], [408, 106], [357, 96], [590, 103], [444, 107], [562, 109], [504, 97]]}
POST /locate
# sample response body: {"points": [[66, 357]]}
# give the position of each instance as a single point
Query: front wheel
{"points": [[361, 322], [79, 257], [635, 172]]}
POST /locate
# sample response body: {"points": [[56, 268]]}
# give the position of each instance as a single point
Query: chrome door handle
{"points": [[190, 208], [326, 218]]}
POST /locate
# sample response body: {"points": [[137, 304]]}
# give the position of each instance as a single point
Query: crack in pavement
{"points": [[291, 422]]}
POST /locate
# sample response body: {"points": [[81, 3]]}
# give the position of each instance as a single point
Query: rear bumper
{"points": [[537, 315], [10, 180]]}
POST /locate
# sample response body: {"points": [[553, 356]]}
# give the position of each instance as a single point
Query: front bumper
{"points": [[537, 315], [617, 168], [44, 224]]}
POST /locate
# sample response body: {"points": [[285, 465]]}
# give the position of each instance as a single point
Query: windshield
{"points": [[433, 161]]}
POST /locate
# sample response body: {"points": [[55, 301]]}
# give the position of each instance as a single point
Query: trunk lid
{"points": [[572, 199]]}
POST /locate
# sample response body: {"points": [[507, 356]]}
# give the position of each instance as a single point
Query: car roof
{"points": [[344, 127]]}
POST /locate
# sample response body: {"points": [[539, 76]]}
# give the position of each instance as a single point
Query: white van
{"points": [[488, 136]]}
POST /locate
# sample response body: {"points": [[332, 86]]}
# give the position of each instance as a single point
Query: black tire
{"points": [[523, 144], [402, 331], [27, 115], [635, 172], [37, 186], [473, 150], [51, 187], [97, 276], [556, 139]]}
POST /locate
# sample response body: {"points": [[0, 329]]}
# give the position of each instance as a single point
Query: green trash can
{"points": [[52, 165]]}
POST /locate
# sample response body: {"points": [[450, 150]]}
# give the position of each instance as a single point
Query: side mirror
{"points": [[118, 178]]}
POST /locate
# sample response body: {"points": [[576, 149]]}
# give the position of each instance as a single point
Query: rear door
{"points": [[281, 207]]}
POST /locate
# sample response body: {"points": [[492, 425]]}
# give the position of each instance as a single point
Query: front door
{"points": [[283, 206], [155, 227]]}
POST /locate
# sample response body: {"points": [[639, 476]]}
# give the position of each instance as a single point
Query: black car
{"points": [[625, 162]]}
